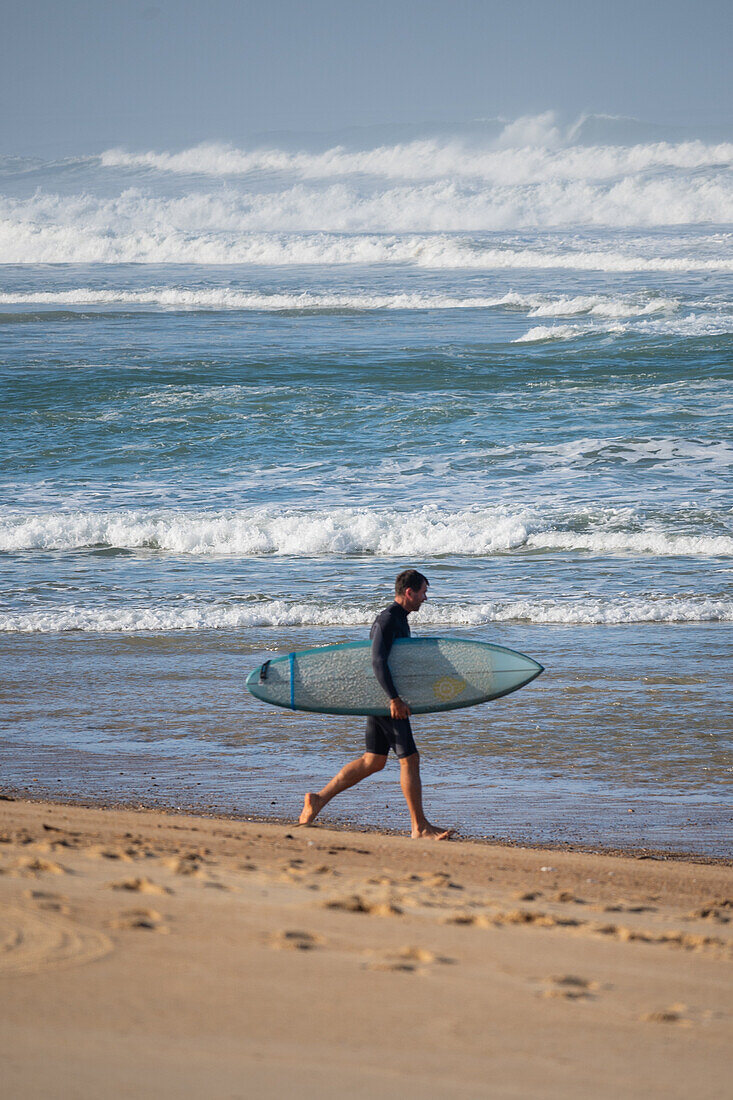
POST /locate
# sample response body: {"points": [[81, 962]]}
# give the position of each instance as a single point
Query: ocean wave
{"points": [[598, 305], [227, 298], [426, 533], [215, 203], [264, 613], [76, 239], [346, 223], [691, 326], [541, 333], [518, 158]]}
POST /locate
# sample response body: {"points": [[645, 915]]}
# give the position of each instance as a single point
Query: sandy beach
{"points": [[146, 953]]}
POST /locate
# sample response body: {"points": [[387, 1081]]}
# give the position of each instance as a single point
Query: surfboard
{"points": [[430, 674]]}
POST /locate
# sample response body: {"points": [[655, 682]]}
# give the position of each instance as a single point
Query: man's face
{"points": [[416, 597]]}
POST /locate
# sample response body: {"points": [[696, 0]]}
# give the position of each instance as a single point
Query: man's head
{"points": [[411, 589]]}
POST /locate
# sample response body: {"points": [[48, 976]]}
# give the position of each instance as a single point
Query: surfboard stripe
{"points": [[292, 681]]}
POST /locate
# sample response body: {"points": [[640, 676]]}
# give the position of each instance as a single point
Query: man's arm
{"points": [[381, 645]]}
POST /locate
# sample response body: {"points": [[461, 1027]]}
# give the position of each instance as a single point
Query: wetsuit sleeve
{"points": [[381, 645]]}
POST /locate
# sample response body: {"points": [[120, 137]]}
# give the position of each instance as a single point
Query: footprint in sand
{"points": [[98, 852], [672, 1015], [570, 987], [37, 866], [409, 960], [440, 879], [189, 864], [294, 940], [356, 904], [46, 899], [147, 919], [718, 911], [627, 907], [293, 871], [140, 886], [568, 898], [514, 916], [470, 920], [31, 942]]}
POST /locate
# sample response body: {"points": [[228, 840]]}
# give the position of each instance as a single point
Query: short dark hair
{"points": [[409, 578]]}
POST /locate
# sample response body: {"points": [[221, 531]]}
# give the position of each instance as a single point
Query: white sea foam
{"points": [[265, 531], [525, 154], [598, 305], [429, 532], [613, 450], [293, 207], [552, 332], [78, 236], [226, 298], [694, 324], [346, 223], [281, 613], [690, 326]]}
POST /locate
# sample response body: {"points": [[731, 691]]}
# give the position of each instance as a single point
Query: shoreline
{"points": [[174, 954], [10, 794]]}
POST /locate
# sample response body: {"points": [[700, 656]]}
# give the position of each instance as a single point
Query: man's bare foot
{"points": [[312, 806], [431, 832]]}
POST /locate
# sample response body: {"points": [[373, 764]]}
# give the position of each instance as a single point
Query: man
{"points": [[383, 734]]}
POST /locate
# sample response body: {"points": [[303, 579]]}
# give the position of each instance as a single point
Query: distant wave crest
{"points": [[228, 298], [524, 158], [401, 202], [150, 235]]}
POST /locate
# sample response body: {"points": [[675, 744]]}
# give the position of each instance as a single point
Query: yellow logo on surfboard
{"points": [[448, 687]]}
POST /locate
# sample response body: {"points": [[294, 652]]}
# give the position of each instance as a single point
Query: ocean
{"points": [[242, 388]]}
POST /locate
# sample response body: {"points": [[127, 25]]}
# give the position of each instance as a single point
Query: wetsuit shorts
{"points": [[383, 734]]}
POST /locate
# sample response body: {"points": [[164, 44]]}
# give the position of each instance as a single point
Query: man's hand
{"points": [[398, 708]]}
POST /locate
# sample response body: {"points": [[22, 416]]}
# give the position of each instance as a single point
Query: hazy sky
{"points": [[84, 74]]}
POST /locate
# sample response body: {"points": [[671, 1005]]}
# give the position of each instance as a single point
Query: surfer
{"points": [[383, 734]]}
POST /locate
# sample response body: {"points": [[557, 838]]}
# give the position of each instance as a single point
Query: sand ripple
{"points": [[32, 942]]}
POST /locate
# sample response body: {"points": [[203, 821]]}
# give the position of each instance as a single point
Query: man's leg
{"points": [[349, 776], [412, 789]]}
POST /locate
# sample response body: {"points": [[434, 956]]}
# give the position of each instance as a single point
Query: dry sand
{"points": [[145, 954]]}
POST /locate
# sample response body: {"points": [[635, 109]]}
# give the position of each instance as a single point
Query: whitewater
{"points": [[242, 386]]}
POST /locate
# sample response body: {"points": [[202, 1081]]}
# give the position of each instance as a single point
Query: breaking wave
{"points": [[426, 533], [281, 613], [218, 204], [691, 326], [226, 298], [534, 157], [162, 237]]}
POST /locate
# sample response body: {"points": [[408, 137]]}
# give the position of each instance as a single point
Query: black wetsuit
{"points": [[383, 734]]}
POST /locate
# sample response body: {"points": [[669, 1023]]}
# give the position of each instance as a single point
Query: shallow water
{"points": [[568, 758]]}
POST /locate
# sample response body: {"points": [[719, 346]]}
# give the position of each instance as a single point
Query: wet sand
{"points": [[145, 953]]}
